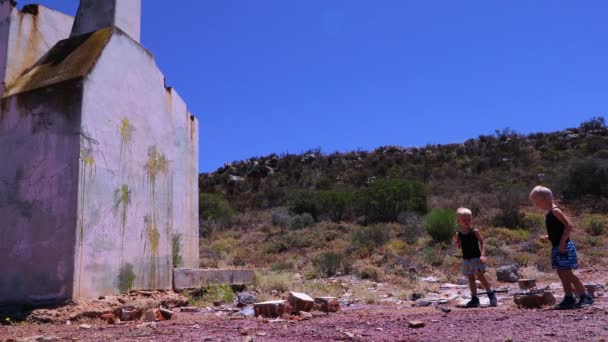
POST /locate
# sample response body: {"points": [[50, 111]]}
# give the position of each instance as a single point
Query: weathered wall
{"points": [[39, 135], [30, 36], [185, 184], [97, 14], [134, 178]]}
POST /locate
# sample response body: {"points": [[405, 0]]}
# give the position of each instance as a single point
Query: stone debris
{"points": [[507, 274], [273, 308], [190, 309], [246, 298], [166, 313], [300, 302], [327, 304], [247, 312], [130, 313], [85, 326], [429, 279], [110, 318], [152, 315], [415, 324], [37, 338]]}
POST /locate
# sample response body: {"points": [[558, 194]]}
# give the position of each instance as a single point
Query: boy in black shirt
{"points": [[473, 257], [563, 251]]}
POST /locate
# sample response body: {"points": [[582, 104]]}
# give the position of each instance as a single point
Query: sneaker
{"points": [[568, 303], [585, 300], [473, 303], [493, 299]]}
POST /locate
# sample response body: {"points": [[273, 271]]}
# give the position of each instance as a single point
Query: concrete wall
{"points": [[97, 14], [29, 37], [39, 134], [134, 175]]}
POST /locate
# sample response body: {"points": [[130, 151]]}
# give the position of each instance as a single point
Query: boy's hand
{"points": [[482, 259], [544, 238]]}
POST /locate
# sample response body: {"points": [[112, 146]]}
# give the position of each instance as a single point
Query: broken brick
{"points": [[300, 302]]}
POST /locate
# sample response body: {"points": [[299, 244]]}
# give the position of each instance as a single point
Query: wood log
{"points": [[300, 302], [327, 304], [272, 309]]}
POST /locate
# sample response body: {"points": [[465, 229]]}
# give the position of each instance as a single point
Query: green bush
{"points": [[510, 216], [279, 217], [212, 209], [586, 177], [370, 272], [330, 263], [440, 224], [301, 221], [370, 237], [337, 205], [383, 201], [303, 202], [595, 225]]}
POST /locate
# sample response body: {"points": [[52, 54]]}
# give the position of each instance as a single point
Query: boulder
{"points": [[246, 298], [507, 274]]}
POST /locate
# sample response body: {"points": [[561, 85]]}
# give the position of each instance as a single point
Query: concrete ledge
{"points": [[188, 278]]}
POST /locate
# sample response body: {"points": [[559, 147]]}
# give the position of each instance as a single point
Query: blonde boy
{"points": [[563, 252], [473, 248]]}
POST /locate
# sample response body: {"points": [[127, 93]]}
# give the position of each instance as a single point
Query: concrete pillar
{"points": [[97, 14]]}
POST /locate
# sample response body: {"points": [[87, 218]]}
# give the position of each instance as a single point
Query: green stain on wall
{"points": [[126, 130], [126, 278], [176, 250], [122, 200], [87, 170]]}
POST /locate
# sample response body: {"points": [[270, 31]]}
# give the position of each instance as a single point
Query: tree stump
{"points": [[327, 304], [534, 301], [272, 309]]}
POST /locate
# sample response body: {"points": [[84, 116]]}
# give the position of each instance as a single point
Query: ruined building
{"points": [[98, 175]]}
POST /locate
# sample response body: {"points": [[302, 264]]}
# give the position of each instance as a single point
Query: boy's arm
{"points": [[456, 240], [481, 243], [567, 228]]}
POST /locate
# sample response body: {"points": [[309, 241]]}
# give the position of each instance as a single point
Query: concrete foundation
{"points": [[184, 278]]}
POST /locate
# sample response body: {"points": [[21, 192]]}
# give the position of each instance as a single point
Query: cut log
{"points": [[527, 284], [273, 308], [327, 304], [534, 301], [300, 302]]}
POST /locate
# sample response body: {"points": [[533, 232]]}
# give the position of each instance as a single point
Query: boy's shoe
{"points": [[567, 303], [473, 303], [493, 299], [585, 300]]}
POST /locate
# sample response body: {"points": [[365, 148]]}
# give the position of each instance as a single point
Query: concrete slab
{"points": [[191, 278]]}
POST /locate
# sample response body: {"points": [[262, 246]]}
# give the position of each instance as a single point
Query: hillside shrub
{"points": [[440, 224], [279, 217], [337, 205], [586, 177], [302, 202], [384, 200], [595, 225], [213, 207], [369, 238], [301, 221], [509, 215], [330, 263]]}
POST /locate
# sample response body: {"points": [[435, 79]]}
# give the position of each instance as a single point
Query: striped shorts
{"points": [[565, 261], [472, 266]]}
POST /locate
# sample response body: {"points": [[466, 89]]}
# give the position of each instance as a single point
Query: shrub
{"points": [[433, 256], [301, 221], [302, 202], [509, 215], [279, 217], [397, 247], [595, 123], [370, 272], [412, 227], [440, 224], [207, 295], [337, 205], [383, 201], [370, 237], [212, 209], [595, 225], [586, 177], [330, 263], [511, 236], [268, 282]]}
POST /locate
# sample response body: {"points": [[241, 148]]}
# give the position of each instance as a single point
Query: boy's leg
{"points": [[566, 281], [578, 287], [473, 285], [484, 281]]}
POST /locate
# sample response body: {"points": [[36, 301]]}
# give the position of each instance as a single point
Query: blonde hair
{"points": [[464, 212], [541, 192]]}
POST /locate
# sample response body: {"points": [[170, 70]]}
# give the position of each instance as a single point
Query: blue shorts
{"points": [[472, 266], [565, 261]]}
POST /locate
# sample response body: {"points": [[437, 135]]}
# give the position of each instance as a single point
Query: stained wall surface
{"points": [[39, 139]]}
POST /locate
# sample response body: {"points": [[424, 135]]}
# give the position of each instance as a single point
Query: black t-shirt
{"points": [[555, 228], [469, 245]]}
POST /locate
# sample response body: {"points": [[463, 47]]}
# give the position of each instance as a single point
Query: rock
{"points": [[166, 313], [244, 331], [429, 279], [218, 303], [415, 324], [422, 303], [507, 274], [327, 304], [190, 309], [300, 302], [130, 313], [305, 315], [110, 318], [246, 298], [85, 326], [444, 309], [273, 308], [415, 296], [591, 288], [152, 315], [247, 312], [534, 301], [463, 281]]}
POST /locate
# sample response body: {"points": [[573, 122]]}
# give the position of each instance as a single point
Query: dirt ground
{"points": [[362, 323]]}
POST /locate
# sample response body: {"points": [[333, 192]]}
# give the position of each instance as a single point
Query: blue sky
{"points": [[275, 76]]}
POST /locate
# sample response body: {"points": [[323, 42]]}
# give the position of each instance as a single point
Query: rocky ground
{"points": [[389, 319]]}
